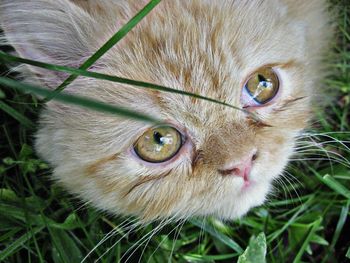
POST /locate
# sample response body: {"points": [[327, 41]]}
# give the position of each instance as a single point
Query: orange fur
{"points": [[201, 46]]}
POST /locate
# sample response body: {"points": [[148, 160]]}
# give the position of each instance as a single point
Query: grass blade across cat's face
{"points": [[206, 159]]}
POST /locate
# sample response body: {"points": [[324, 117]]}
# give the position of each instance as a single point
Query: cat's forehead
{"points": [[208, 49], [191, 42]]}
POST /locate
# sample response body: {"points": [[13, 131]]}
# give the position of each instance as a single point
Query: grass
{"points": [[307, 220]]}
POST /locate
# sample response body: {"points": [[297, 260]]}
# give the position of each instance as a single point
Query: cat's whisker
{"points": [[180, 224], [332, 132], [318, 152], [284, 187], [149, 239], [82, 204], [315, 148], [144, 239], [311, 148], [129, 227], [292, 180], [330, 159], [318, 159], [201, 233], [179, 227], [125, 225], [135, 227], [325, 151], [325, 135], [310, 144]]}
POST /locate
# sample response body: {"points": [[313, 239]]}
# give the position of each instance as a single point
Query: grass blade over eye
{"points": [[140, 84], [109, 44], [77, 100]]}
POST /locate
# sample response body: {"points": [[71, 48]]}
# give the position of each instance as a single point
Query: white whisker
{"points": [[125, 225]]}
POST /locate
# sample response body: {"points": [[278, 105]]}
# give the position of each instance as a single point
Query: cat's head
{"points": [[206, 159]]}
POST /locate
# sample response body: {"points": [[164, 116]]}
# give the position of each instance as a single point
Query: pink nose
{"points": [[241, 168]]}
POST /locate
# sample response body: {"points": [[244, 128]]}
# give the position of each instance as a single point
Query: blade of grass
{"points": [[300, 210], [223, 238], [77, 100], [16, 115], [338, 230], [109, 44], [207, 258], [96, 75], [307, 241], [9, 234], [336, 186], [65, 246], [8, 251]]}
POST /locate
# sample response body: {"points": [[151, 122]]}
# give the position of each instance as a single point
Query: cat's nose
{"points": [[241, 168]]}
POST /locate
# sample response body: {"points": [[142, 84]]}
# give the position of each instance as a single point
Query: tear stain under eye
{"points": [[95, 166], [257, 123], [196, 159], [288, 103], [146, 179]]}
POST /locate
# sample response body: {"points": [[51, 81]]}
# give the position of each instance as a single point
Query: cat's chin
{"points": [[249, 197], [236, 206]]}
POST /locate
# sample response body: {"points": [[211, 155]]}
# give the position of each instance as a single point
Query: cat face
{"points": [[205, 159]]}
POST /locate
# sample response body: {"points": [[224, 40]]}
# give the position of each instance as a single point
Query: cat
{"points": [[206, 159]]}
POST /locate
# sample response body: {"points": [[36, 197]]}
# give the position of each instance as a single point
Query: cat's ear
{"points": [[53, 31]]}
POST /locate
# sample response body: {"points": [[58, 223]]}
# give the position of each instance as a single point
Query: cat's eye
{"points": [[262, 86], [158, 144]]}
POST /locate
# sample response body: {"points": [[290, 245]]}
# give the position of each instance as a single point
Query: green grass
{"points": [[307, 220]]}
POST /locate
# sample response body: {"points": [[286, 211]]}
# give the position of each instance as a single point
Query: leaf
{"points": [[319, 240], [18, 243], [223, 238], [348, 253], [336, 186], [16, 115], [339, 228], [26, 151], [2, 94], [292, 219], [8, 195], [65, 249], [15, 212], [70, 223], [256, 250], [8, 161], [308, 239], [206, 258], [77, 100], [297, 234]]}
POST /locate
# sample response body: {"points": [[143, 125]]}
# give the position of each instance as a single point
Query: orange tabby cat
{"points": [[206, 159]]}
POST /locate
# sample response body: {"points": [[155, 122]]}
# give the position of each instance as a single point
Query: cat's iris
{"points": [[263, 85], [158, 144]]}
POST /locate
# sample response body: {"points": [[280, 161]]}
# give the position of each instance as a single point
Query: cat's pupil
{"points": [[263, 81], [158, 137], [261, 78]]}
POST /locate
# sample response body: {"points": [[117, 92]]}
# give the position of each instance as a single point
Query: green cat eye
{"points": [[263, 85], [158, 144]]}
